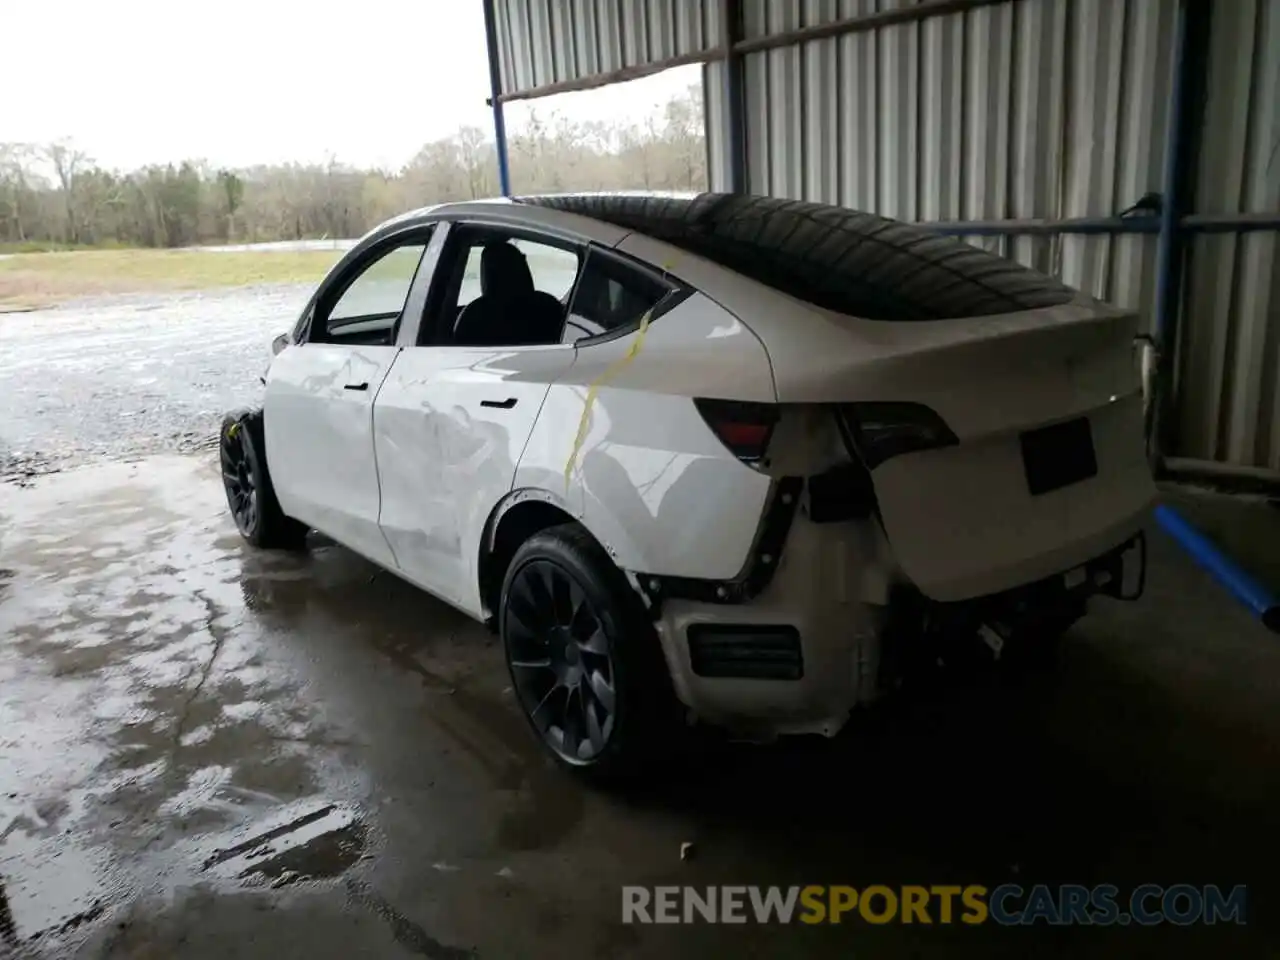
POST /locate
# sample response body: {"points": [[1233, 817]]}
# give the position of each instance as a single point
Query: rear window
{"points": [[854, 263]]}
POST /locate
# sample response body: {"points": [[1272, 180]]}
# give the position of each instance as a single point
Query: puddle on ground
{"points": [[316, 844]]}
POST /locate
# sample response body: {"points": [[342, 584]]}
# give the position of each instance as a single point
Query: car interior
{"points": [[510, 310]]}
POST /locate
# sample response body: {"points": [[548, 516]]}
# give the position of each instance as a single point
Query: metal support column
{"points": [[1182, 143], [495, 101], [735, 98]]}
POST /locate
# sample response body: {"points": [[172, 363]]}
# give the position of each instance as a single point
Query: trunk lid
{"points": [[1011, 502]]}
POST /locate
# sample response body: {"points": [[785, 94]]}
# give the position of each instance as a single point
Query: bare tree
{"points": [[476, 155], [67, 162], [17, 184]]}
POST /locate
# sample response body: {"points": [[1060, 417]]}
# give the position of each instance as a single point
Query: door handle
{"points": [[357, 386], [506, 404]]}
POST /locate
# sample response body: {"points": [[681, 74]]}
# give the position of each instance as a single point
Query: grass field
{"points": [[34, 280], [42, 279]]}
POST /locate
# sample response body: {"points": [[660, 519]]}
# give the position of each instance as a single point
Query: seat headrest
{"points": [[504, 272]]}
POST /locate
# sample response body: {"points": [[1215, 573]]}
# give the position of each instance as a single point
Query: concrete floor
{"points": [[175, 704]]}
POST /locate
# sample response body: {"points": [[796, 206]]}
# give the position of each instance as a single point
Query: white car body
{"points": [[415, 454]]}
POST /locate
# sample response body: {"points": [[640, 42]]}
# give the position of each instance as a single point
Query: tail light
{"points": [[745, 428], [883, 430]]}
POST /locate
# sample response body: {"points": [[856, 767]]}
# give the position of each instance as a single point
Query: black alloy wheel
{"points": [[237, 477], [247, 481], [561, 663], [586, 663]]}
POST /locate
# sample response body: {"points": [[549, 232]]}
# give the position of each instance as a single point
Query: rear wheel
{"points": [[585, 662], [247, 481]]}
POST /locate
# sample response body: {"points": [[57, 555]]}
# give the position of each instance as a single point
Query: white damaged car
{"points": [[721, 457]]}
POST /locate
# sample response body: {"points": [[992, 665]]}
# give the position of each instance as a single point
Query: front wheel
{"points": [[585, 662], [247, 481]]}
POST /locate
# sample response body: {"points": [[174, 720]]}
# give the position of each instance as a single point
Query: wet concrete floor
{"points": [[211, 751]]}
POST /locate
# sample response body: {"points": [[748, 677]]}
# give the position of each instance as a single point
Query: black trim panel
{"points": [[765, 555]]}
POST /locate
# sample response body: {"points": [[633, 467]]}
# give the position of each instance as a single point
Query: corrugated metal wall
{"points": [[1041, 108], [542, 42], [1230, 350], [1048, 109]]}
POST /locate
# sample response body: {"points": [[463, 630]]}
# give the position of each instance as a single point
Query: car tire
{"points": [[585, 662], [247, 482]]}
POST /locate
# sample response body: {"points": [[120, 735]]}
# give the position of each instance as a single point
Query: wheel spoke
{"points": [[583, 623], [594, 731], [538, 586], [603, 690], [561, 597], [572, 722], [597, 643], [523, 606], [545, 709]]}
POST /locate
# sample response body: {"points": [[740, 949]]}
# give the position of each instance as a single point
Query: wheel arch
{"points": [[515, 518], [518, 516]]}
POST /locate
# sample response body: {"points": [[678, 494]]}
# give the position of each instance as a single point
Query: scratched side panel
{"points": [[650, 480]]}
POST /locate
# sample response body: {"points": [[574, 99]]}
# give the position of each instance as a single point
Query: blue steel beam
{"points": [[495, 98]]}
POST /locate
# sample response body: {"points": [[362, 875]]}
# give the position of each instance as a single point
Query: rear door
{"points": [[452, 419], [319, 400]]}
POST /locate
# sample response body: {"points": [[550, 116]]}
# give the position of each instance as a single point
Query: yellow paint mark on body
{"points": [[593, 388]]}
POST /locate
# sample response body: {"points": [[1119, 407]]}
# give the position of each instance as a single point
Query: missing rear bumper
{"points": [[921, 633]]}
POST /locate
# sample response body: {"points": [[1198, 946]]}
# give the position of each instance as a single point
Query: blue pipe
{"points": [[495, 99], [1242, 586]]}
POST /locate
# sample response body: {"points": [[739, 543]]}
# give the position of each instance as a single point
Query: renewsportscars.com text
{"points": [[1007, 904]]}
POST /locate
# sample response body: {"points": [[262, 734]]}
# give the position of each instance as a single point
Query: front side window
{"points": [[507, 290], [611, 296], [381, 289]]}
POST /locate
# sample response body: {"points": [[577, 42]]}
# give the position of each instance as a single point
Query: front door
{"points": [[318, 411], [454, 415]]}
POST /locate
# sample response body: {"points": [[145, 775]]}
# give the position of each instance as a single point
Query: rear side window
{"points": [[611, 295], [853, 263]]}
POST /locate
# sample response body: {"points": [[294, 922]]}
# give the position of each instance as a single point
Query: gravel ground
{"points": [[134, 375]]}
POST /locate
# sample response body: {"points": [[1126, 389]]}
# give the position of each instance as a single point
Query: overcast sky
{"points": [[237, 82]]}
